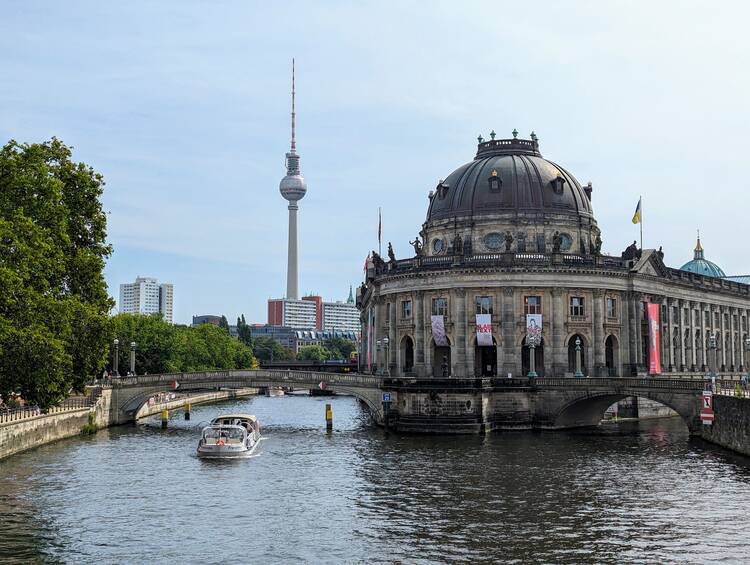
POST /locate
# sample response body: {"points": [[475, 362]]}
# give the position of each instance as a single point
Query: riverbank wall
{"points": [[149, 409], [731, 425], [32, 432]]}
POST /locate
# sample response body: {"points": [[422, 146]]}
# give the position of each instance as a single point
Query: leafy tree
{"points": [[268, 349], [224, 323], [314, 353], [339, 347], [54, 328], [243, 331]]}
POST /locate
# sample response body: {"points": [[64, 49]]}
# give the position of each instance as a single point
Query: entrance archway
{"points": [[572, 354], [611, 355], [407, 355], [485, 359], [441, 359], [538, 359]]}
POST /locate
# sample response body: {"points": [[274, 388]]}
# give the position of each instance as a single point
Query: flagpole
{"points": [[380, 227], [641, 222]]}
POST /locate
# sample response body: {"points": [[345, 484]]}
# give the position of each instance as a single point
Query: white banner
{"points": [[484, 330], [438, 331], [533, 329]]}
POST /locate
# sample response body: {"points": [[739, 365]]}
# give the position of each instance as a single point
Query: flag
{"points": [[637, 215], [380, 225]]}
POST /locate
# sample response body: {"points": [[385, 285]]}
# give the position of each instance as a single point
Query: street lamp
{"points": [[712, 347], [132, 358], [387, 367], [378, 345], [578, 372], [116, 359]]}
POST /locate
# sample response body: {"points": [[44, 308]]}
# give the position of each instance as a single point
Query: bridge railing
{"points": [[68, 405]]}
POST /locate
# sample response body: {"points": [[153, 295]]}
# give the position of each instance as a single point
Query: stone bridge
{"points": [[449, 405], [128, 394]]}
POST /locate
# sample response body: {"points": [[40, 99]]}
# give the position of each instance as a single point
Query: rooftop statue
{"points": [[417, 246], [508, 240], [632, 251], [391, 254], [557, 242]]}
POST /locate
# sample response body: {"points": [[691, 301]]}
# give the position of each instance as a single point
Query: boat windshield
{"points": [[226, 434]]}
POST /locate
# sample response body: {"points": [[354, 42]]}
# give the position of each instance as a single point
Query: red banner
{"points": [[654, 339]]}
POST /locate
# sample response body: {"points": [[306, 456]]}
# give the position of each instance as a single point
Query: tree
{"points": [[243, 331], [339, 347], [224, 323], [54, 329], [268, 349], [314, 353]]}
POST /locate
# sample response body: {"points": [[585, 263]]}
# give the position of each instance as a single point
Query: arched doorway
{"points": [[572, 354], [441, 359], [485, 359], [538, 359], [407, 355], [611, 355]]}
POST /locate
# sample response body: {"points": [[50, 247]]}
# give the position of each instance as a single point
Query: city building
{"points": [[147, 296], [341, 315], [206, 319], [294, 338], [508, 278], [312, 313]]}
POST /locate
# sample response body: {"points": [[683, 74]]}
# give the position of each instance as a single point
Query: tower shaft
{"points": [[292, 289]]}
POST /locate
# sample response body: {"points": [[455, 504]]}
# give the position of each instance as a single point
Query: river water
{"points": [[627, 493]]}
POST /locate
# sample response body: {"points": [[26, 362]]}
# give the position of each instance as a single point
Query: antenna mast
{"points": [[294, 143]]}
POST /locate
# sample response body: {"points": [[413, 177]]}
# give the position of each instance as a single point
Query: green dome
{"points": [[702, 266]]}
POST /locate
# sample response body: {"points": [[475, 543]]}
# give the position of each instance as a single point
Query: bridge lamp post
{"points": [[378, 345], [116, 357], [578, 372], [132, 358], [387, 365], [712, 347]]}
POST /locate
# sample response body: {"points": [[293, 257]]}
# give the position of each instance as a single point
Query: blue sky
{"points": [[184, 107]]}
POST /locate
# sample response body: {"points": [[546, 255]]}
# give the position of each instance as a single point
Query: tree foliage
{"points": [[268, 349], [339, 347], [243, 331], [54, 329], [165, 348], [314, 353]]}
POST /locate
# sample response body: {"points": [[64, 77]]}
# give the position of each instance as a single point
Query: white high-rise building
{"points": [[147, 296]]}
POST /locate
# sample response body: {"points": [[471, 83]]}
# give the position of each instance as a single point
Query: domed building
{"points": [[702, 266], [508, 279]]}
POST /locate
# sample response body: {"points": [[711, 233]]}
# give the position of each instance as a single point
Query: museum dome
{"points": [[510, 176], [702, 266]]}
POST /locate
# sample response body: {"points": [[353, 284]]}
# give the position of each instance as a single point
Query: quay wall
{"points": [[205, 398], [32, 432], [731, 426]]}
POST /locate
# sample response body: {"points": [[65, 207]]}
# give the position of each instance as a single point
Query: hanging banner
{"points": [[438, 331], [533, 329], [654, 339], [484, 330]]}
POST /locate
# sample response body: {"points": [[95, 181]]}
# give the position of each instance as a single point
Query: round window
{"points": [[437, 246], [494, 240], [566, 243]]}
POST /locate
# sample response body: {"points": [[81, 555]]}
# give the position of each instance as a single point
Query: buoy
{"points": [[187, 410], [164, 418], [329, 418]]}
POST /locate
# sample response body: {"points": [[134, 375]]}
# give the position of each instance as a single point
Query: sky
{"points": [[184, 108]]}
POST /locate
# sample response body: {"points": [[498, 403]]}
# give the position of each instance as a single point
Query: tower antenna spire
{"points": [[294, 142]]}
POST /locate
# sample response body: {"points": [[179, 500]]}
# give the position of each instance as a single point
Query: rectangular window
{"points": [[532, 304], [484, 305], [611, 308], [406, 309], [576, 306], [439, 306]]}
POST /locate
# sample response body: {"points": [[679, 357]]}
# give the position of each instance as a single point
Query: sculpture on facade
{"points": [[391, 254], [508, 240], [378, 262], [631, 252], [458, 245], [598, 245], [417, 246], [557, 241]]}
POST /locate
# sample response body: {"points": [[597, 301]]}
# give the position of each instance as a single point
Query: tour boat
{"points": [[274, 391], [230, 435]]}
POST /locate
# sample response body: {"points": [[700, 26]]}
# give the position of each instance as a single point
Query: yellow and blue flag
{"points": [[637, 215]]}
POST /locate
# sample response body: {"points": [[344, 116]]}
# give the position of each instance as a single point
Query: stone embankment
{"points": [[731, 426], [178, 402]]}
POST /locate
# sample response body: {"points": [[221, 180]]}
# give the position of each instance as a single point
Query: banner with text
{"points": [[484, 330], [438, 331], [654, 339]]}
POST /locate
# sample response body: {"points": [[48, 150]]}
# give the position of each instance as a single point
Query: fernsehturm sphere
{"points": [[292, 187]]}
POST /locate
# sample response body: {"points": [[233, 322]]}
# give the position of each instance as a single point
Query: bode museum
{"points": [[508, 280]]}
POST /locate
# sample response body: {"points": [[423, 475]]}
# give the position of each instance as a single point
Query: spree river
{"points": [[627, 493]]}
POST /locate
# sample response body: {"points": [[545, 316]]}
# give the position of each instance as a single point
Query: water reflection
{"points": [[626, 493]]}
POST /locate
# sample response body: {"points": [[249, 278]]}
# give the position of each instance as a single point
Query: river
{"points": [[627, 493]]}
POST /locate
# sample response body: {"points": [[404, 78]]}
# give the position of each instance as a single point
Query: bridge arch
{"points": [[588, 408]]}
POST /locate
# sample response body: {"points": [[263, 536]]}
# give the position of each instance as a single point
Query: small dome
{"points": [[702, 266]]}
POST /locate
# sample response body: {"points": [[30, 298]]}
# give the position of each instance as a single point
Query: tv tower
{"points": [[293, 188]]}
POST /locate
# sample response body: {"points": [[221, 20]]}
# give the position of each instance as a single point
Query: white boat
{"points": [[230, 435], [274, 391]]}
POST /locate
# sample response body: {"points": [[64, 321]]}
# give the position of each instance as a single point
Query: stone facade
{"points": [[731, 426]]}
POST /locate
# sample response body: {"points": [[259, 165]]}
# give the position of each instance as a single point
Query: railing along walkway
{"points": [[70, 404]]}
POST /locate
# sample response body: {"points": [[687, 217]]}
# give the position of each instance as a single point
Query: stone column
{"points": [[723, 339], [511, 354], [556, 345], [393, 344], [419, 336], [378, 333], [741, 321], [597, 346], [624, 365], [427, 332], [693, 360], [733, 358], [712, 357], [458, 353], [681, 320], [670, 334], [639, 313], [497, 318], [469, 331]]}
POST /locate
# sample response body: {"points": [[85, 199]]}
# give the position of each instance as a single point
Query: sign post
{"points": [[386, 406], [707, 408]]}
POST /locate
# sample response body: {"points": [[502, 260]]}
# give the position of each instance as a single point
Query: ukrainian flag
{"points": [[637, 215]]}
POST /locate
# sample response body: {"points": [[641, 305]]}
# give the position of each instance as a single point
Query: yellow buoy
{"points": [[164, 418]]}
